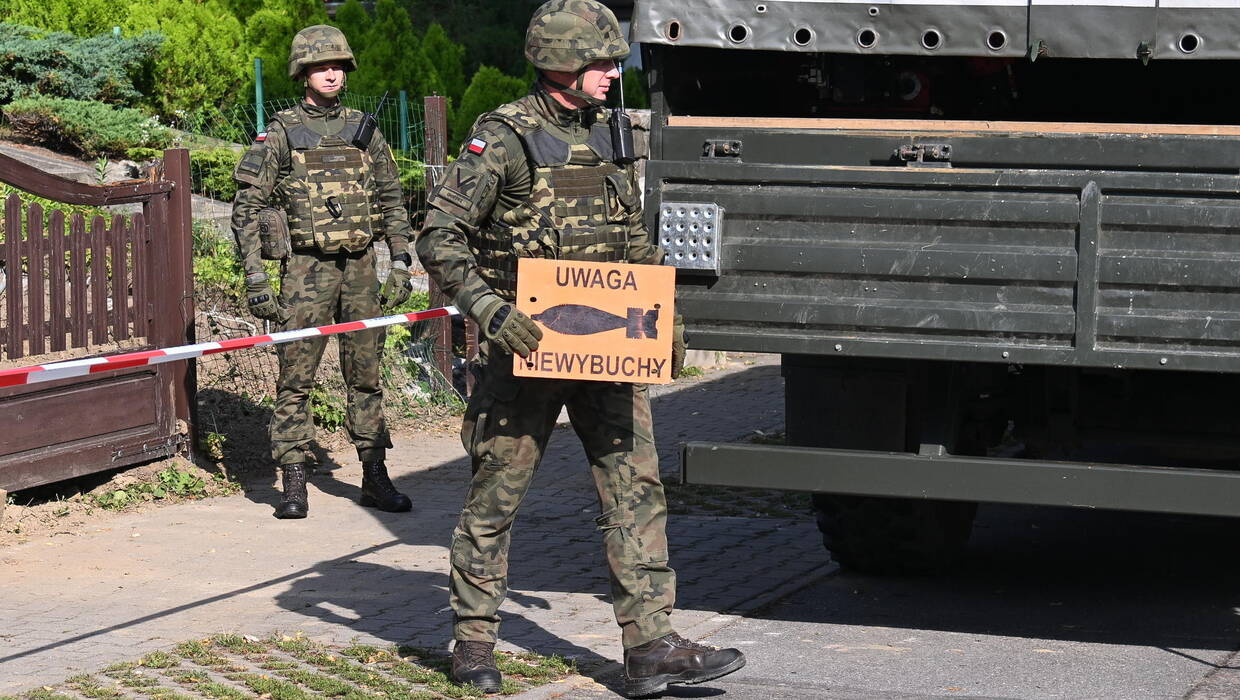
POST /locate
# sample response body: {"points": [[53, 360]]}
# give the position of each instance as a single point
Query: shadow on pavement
{"points": [[556, 549], [1063, 574]]}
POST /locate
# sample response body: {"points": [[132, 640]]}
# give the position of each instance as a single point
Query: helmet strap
{"points": [[575, 91]]}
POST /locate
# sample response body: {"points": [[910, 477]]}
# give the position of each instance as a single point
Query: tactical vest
{"points": [[578, 208], [330, 196]]}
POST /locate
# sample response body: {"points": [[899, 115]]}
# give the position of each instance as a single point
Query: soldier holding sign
{"points": [[334, 177], [540, 178]]}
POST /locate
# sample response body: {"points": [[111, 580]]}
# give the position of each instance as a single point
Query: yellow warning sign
{"points": [[607, 322]]}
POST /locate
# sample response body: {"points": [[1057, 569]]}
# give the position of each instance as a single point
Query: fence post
{"points": [[177, 311], [435, 156], [404, 121], [258, 95]]}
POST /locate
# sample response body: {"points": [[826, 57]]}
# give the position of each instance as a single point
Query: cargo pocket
{"points": [[493, 440]]}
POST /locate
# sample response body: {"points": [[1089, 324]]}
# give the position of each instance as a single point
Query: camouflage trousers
{"points": [[505, 431], [318, 289]]}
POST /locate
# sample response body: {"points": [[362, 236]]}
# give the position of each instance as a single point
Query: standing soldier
{"points": [[539, 178], [338, 185]]}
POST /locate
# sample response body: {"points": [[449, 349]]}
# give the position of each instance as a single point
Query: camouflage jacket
{"points": [[268, 162], [494, 164]]}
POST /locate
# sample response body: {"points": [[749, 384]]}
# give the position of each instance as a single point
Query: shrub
{"points": [[91, 129], [412, 173], [80, 17], [448, 58], [57, 64], [212, 172], [488, 89], [268, 33], [201, 62]]}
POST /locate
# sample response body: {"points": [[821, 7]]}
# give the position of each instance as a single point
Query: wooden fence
{"points": [[84, 283]]}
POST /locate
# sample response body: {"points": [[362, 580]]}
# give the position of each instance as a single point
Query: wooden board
{"points": [[954, 127], [601, 321]]}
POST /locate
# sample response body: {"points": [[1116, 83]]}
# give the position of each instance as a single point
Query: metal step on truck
{"points": [[996, 242]]}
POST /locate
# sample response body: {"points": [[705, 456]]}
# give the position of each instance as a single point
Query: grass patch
{"points": [[219, 691], [90, 686], [267, 687], [159, 659], [43, 694], [283, 667]]}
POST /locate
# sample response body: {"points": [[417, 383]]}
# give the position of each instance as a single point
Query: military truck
{"points": [[996, 243]]}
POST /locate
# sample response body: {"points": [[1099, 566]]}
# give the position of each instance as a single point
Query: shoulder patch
{"points": [[249, 167], [262, 136], [477, 146], [462, 192]]}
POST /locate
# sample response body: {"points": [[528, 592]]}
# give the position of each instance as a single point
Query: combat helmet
{"points": [[567, 35], [319, 44]]}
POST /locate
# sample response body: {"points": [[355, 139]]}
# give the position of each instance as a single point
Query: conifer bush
{"points": [[488, 89], [91, 129], [200, 63], [57, 64]]}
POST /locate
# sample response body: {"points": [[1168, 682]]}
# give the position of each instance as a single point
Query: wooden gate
{"points": [[80, 283]]}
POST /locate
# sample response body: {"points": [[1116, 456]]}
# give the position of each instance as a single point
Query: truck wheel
{"points": [[893, 535]]}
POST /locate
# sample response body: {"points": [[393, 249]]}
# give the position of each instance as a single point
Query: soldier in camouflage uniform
{"points": [[339, 194], [538, 178]]}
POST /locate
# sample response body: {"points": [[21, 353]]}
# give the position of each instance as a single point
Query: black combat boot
{"points": [[650, 667], [293, 502], [474, 663], [378, 491]]}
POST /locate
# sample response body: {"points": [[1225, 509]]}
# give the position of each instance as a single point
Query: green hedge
{"points": [[212, 170], [91, 129]]}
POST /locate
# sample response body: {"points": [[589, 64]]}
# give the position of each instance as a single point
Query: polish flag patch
{"points": [[477, 147], [261, 137]]}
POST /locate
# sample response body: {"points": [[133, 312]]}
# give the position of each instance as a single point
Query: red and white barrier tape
{"points": [[92, 365]]}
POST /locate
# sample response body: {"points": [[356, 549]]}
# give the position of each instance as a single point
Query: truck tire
{"points": [[893, 535]]}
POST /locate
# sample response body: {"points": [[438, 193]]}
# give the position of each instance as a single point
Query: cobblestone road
{"points": [[147, 581]]}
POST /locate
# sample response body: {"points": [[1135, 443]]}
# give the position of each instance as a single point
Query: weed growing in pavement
{"points": [[284, 667], [692, 371], [170, 482], [159, 659]]}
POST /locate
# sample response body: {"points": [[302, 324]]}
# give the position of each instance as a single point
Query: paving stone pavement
{"points": [[149, 580]]}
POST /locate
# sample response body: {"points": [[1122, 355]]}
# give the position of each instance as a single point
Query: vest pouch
{"points": [[273, 236], [622, 201]]}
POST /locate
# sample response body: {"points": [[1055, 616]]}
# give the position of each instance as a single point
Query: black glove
{"points": [[504, 325], [396, 289], [262, 300]]}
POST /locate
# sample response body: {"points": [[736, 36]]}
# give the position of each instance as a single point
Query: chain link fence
{"points": [[236, 390]]}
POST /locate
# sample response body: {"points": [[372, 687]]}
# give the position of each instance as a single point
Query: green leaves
{"points": [[170, 482], [91, 129], [488, 89], [211, 171], [57, 64], [198, 63], [327, 408]]}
